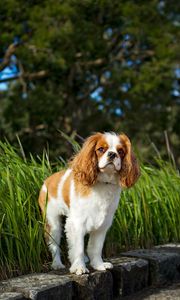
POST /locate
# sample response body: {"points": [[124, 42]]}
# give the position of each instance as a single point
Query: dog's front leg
{"points": [[94, 249], [75, 236]]}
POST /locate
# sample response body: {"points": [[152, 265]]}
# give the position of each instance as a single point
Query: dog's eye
{"points": [[121, 152], [101, 149]]}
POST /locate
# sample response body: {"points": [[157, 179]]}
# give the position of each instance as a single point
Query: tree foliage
{"points": [[89, 65]]}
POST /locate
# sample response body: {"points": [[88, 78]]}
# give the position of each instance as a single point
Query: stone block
{"points": [[129, 275], [40, 286], [168, 248], [12, 296], [94, 286], [164, 266]]}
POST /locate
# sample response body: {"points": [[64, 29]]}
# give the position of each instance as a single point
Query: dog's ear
{"points": [[85, 164], [130, 170]]}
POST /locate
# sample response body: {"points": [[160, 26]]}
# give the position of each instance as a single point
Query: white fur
{"points": [[44, 188], [112, 140], [55, 209], [92, 214]]}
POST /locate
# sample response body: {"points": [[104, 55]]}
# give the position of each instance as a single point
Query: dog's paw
{"points": [[102, 266], [57, 265], [79, 269], [108, 265]]}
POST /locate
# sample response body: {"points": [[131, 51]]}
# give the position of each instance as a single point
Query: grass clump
{"points": [[148, 214], [22, 247]]}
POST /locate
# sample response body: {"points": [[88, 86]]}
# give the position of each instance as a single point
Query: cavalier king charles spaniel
{"points": [[87, 193]]}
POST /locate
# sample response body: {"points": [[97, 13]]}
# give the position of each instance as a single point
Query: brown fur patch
{"points": [[42, 199], [130, 170], [66, 189], [81, 189], [51, 184], [101, 144], [85, 163], [123, 150]]}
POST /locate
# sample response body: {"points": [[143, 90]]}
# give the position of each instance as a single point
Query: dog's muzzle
{"points": [[111, 155]]}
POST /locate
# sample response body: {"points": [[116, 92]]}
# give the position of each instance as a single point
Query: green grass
{"points": [[148, 214], [22, 247]]}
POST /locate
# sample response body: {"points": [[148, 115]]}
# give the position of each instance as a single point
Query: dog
{"points": [[87, 193]]}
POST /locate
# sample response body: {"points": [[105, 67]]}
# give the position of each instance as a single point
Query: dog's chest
{"points": [[98, 210]]}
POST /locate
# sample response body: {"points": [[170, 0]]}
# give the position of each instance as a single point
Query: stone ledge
{"points": [[168, 248], [132, 272], [40, 286], [129, 275], [96, 285], [12, 296], [164, 266]]}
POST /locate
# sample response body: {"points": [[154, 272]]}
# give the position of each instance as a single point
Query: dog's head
{"points": [[106, 153]]}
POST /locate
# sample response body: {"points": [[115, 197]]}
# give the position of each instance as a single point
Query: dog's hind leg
{"points": [[53, 237]]}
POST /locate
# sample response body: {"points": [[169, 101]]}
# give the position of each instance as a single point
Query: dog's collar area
{"points": [[107, 179], [111, 183]]}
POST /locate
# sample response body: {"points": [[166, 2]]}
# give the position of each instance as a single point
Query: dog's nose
{"points": [[112, 155]]}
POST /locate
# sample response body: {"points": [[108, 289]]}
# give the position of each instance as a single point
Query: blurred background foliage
{"points": [[90, 65]]}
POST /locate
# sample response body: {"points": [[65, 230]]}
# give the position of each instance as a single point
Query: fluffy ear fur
{"points": [[85, 164], [130, 170]]}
